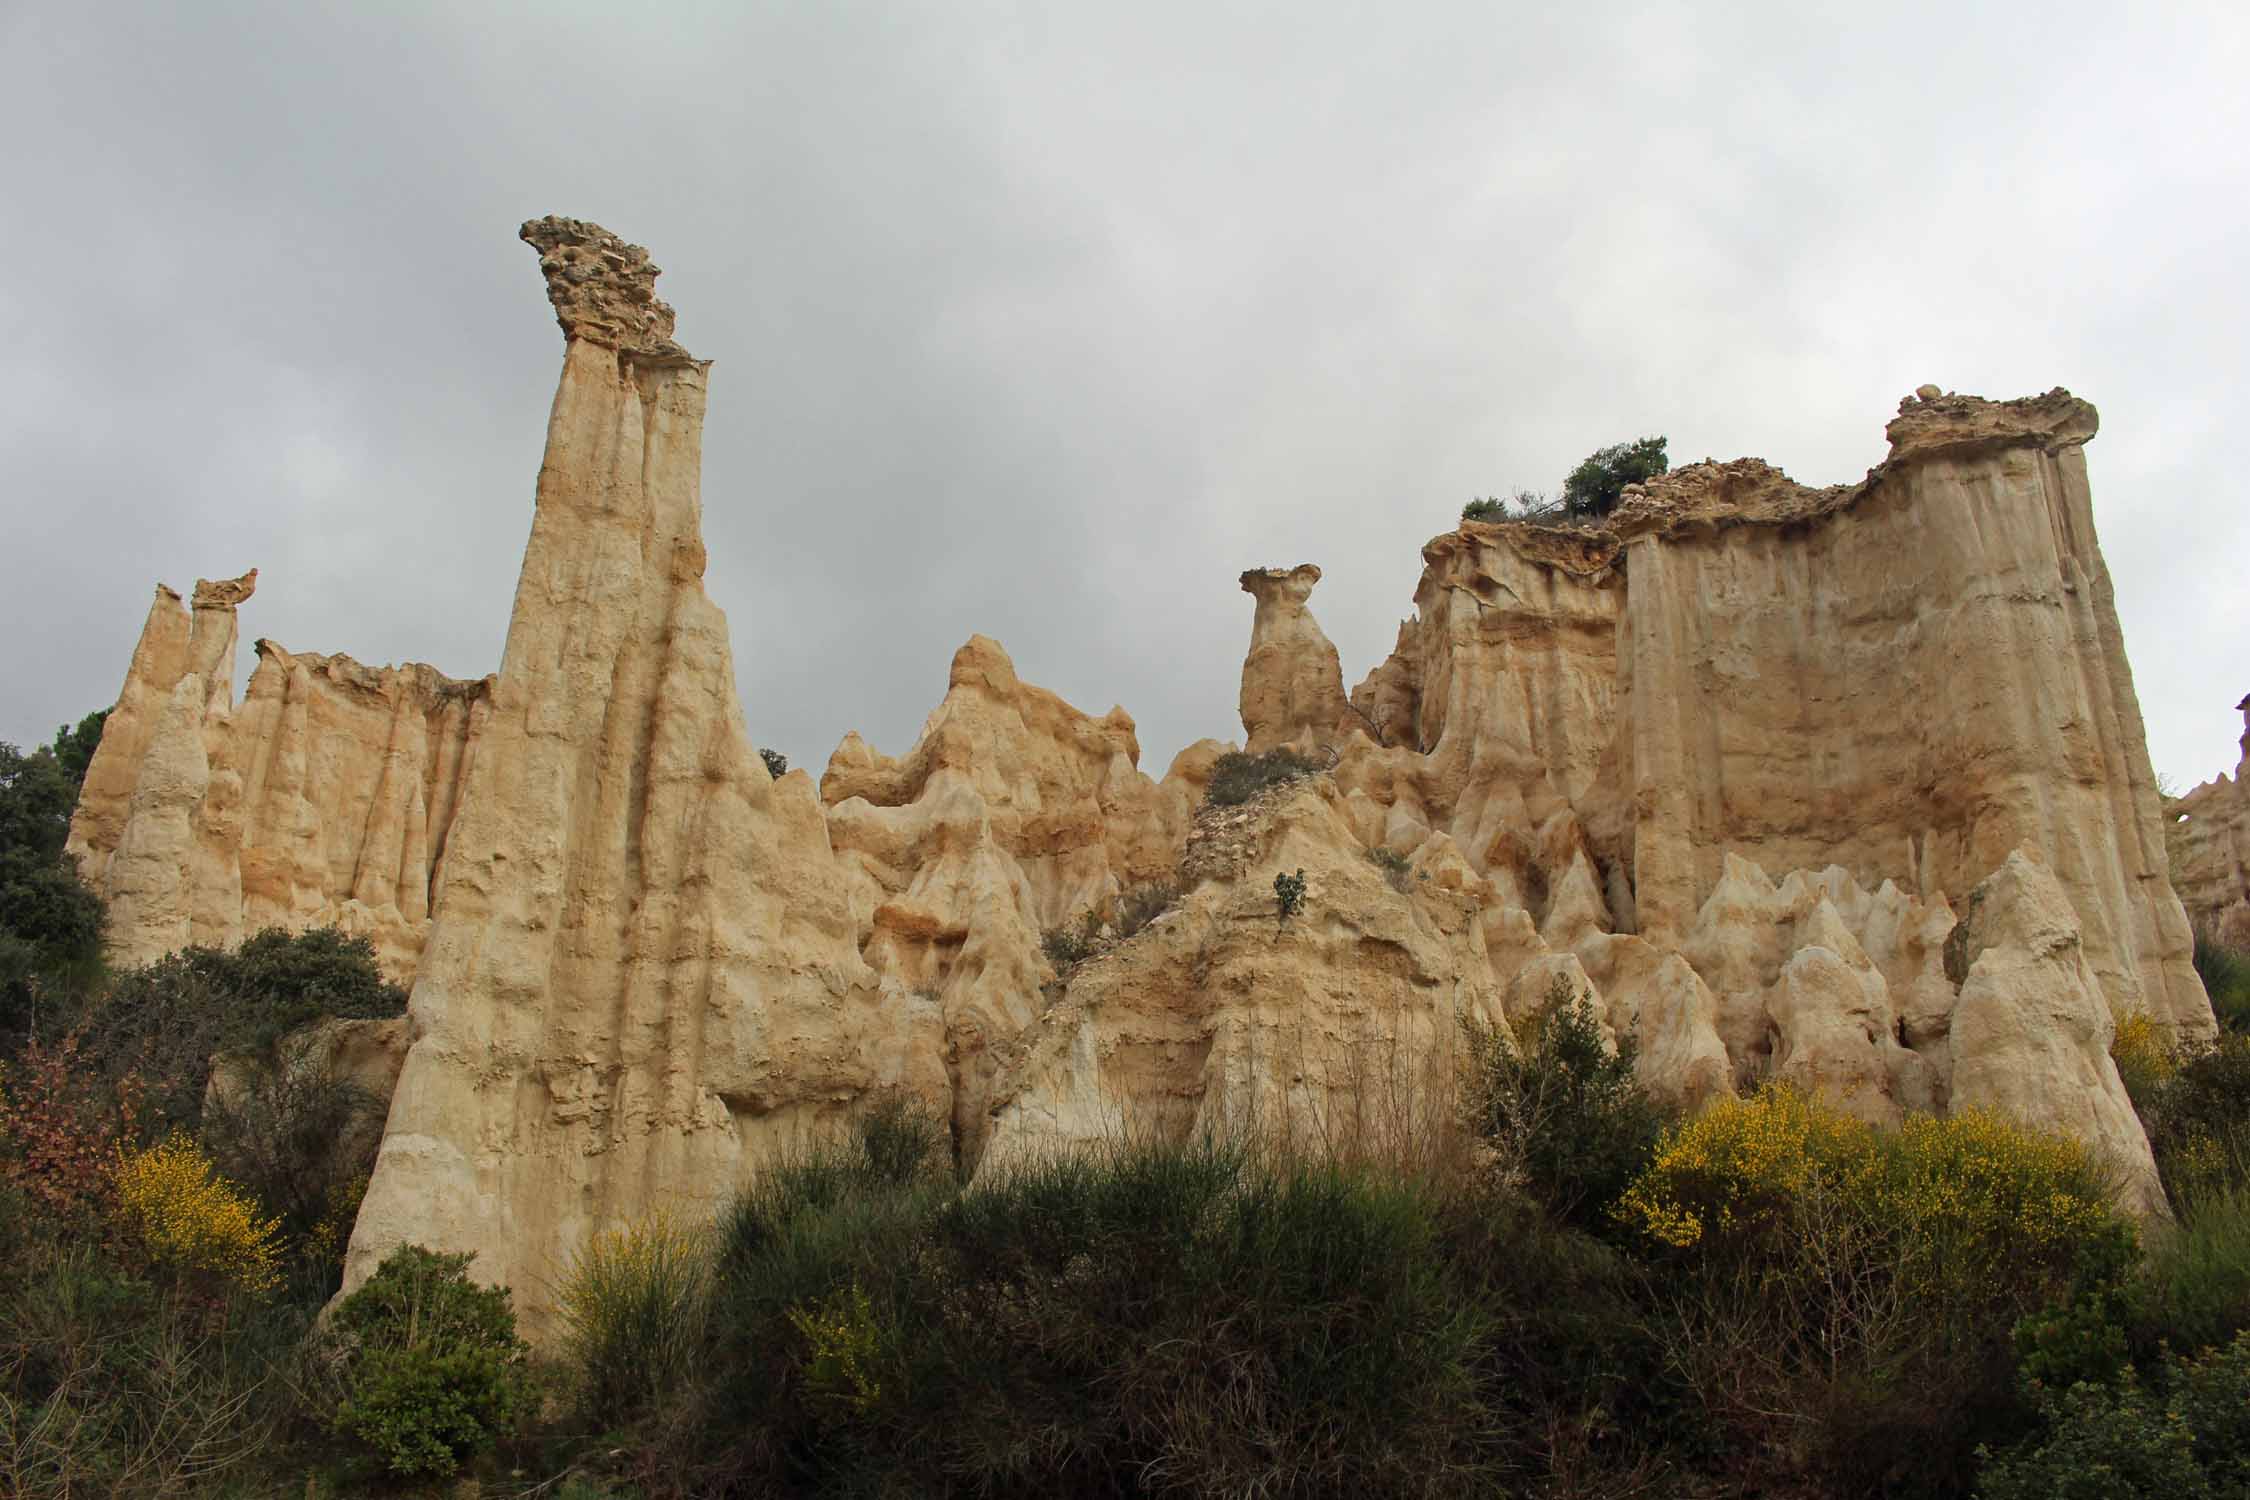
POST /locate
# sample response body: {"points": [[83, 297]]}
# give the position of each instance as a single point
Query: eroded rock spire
{"points": [[603, 289]]}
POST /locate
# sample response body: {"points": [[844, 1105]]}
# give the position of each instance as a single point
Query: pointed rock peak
{"points": [[1742, 882], [603, 289], [982, 661], [223, 593], [1824, 927], [1576, 910]]}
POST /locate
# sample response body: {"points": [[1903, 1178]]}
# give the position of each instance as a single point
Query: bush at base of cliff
{"points": [[168, 1019], [1843, 1300], [1562, 1111], [303, 1141], [432, 1371], [1186, 1318], [194, 1222], [634, 1308]]}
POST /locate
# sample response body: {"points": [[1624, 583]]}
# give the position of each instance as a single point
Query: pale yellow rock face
{"points": [[1292, 679], [1013, 813], [1339, 1025], [1908, 678], [643, 976], [2031, 1031], [2209, 830], [322, 800]]}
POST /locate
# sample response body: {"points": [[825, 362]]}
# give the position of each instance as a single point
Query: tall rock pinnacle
{"points": [[643, 971]]}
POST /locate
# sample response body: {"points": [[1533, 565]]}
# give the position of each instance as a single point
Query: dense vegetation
{"points": [[1561, 1291], [1589, 491]]}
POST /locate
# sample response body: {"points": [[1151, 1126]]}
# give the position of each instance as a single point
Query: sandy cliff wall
{"points": [[2210, 848], [644, 971], [323, 799], [1013, 813], [1842, 786], [1908, 678]]}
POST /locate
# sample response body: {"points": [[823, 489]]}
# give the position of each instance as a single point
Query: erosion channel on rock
{"points": [[1845, 787]]}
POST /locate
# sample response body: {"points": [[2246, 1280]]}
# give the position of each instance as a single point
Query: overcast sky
{"points": [[1045, 321]]}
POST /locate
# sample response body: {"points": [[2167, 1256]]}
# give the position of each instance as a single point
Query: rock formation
{"points": [[644, 972], [322, 800], [1012, 814], [1909, 677], [1292, 680], [2210, 842], [1841, 786]]}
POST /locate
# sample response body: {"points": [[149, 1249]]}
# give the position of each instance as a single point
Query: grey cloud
{"points": [[1044, 322]]}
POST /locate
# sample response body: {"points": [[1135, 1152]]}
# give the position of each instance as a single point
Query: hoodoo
{"points": [[1841, 786], [643, 969]]}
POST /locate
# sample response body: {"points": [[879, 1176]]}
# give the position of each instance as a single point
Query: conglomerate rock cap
{"points": [[603, 289]]}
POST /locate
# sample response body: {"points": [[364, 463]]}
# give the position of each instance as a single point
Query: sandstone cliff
{"points": [[1844, 786], [644, 971], [2210, 842], [1012, 814], [1909, 677], [322, 800]]}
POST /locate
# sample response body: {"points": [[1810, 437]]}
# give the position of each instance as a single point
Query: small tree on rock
{"points": [[1595, 485]]}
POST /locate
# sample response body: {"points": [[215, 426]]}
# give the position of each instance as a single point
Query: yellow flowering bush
{"points": [[1745, 1163], [634, 1307], [1737, 1166], [191, 1219], [843, 1338], [2144, 1055]]}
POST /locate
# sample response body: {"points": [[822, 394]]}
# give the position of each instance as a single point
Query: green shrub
{"points": [[1289, 893], [111, 1386], [2198, 1120], [1071, 944], [777, 764], [1144, 904], [1485, 509], [168, 1019], [2195, 1287], [2225, 973], [1396, 868], [303, 1141], [1236, 777], [433, 1372], [1562, 1112], [2188, 1438], [1190, 1318], [50, 919], [1594, 487]]}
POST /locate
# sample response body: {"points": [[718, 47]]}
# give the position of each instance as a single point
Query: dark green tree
{"points": [[74, 746], [50, 920], [1594, 486]]}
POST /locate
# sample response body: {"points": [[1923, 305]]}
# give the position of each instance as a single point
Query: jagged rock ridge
{"points": [[1845, 786]]}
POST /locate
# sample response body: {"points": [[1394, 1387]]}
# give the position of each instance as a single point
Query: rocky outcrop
{"points": [[1842, 786], [1340, 1026], [1909, 678], [643, 974], [322, 800], [2208, 835], [1292, 679], [1012, 814]]}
